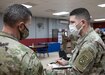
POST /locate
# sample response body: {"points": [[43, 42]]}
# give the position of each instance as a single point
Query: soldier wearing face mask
{"points": [[75, 29], [87, 58], [15, 58]]}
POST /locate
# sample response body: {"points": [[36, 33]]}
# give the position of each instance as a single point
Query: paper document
{"points": [[57, 66]]}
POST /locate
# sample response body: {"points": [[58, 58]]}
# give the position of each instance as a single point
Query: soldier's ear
{"points": [[83, 21], [21, 26]]}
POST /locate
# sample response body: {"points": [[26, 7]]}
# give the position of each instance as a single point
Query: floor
{"points": [[45, 59]]}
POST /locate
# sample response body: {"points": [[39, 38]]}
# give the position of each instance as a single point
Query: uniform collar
{"points": [[8, 35], [85, 35]]}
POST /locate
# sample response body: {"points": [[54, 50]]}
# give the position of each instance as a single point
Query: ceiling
{"points": [[45, 8]]}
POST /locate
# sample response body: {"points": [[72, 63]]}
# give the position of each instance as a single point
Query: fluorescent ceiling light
{"points": [[101, 5], [99, 19], [27, 6], [61, 13]]}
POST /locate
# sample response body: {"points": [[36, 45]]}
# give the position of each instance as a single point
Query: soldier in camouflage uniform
{"points": [[89, 54], [15, 58], [87, 58]]}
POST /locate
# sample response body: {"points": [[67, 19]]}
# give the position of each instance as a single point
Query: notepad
{"points": [[57, 66]]}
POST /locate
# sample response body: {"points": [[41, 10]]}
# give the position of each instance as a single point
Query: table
{"points": [[40, 49]]}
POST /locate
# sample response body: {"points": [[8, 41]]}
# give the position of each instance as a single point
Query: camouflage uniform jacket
{"points": [[17, 59], [85, 59]]}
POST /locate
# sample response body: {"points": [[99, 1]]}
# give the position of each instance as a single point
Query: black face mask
{"points": [[24, 33]]}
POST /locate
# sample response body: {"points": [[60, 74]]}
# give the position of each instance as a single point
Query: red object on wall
{"points": [[99, 25], [36, 41]]}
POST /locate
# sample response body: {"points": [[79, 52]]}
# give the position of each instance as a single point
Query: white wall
{"points": [[55, 24], [45, 31], [32, 29], [42, 31]]}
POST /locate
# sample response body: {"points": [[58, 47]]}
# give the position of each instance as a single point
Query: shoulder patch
{"points": [[83, 60]]}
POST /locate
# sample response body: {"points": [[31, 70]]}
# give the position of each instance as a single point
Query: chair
{"points": [[43, 50]]}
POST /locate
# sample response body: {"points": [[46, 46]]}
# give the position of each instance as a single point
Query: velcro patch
{"points": [[83, 60]]}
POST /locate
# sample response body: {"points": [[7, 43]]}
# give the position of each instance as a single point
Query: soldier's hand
{"points": [[62, 62]]}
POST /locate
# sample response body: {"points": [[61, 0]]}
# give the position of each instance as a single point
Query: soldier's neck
{"points": [[85, 30], [10, 31]]}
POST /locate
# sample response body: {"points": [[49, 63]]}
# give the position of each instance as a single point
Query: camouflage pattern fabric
{"points": [[86, 55], [86, 58], [17, 59]]}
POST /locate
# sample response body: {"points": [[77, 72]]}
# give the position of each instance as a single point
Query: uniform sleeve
{"points": [[85, 58], [41, 70], [36, 67]]}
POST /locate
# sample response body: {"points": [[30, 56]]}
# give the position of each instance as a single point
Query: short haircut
{"points": [[16, 13], [81, 13]]}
